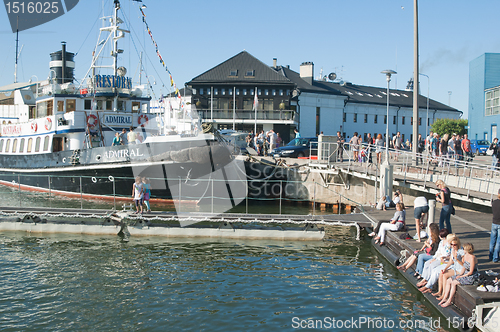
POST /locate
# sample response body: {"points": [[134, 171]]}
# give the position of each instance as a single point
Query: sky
{"points": [[356, 39]]}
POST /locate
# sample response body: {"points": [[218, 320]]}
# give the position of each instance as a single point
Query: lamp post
{"points": [[388, 74], [386, 170], [427, 117]]}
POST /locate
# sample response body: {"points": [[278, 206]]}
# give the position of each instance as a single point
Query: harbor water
{"points": [[101, 283]]}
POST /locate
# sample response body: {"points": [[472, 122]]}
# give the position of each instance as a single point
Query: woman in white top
{"points": [[397, 223], [379, 146]]}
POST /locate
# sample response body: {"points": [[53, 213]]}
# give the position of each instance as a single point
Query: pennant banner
{"points": [[172, 83]]}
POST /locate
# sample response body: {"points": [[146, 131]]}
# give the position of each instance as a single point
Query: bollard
{"points": [[432, 213]]}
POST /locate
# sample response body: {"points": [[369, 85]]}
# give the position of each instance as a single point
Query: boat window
{"points": [[70, 105], [46, 143], [109, 105], [1, 145], [21, 146], [145, 108], [37, 144], [60, 105], [7, 145], [121, 105], [14, 145], [87, 104], [44, 108], [136, 106], [99, 105], [30, 143], [32, 114]]}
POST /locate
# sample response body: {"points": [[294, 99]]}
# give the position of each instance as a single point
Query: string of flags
{"points": [[172, 83]]}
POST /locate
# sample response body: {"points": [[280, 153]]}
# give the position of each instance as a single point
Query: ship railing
{"points": [[228, 114], [259, 195]]}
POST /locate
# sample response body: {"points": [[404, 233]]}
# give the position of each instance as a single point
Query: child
{"points": [[138, 193], [147, 193]]}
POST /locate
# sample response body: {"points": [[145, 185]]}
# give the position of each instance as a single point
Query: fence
{"points": [[208, 195]]}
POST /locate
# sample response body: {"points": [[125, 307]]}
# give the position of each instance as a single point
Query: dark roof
{"points": [[241, 62], [363, 94]]}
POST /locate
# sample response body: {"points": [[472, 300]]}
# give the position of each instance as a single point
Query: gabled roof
{"points": [[240, 64], [363, 94]]}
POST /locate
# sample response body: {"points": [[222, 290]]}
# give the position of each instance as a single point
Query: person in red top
{"points": [[466, 148]]}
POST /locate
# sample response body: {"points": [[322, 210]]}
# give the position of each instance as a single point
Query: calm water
{"points": [[90, 283], [86, 283]]}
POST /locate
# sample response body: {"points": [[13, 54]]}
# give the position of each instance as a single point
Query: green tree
{"points": [[450, 126]]}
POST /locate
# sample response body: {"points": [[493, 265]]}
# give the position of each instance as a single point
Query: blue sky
{"points": [[357, 39]]}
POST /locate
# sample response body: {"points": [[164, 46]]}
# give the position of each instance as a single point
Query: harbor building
{"points": [[288, 100], [484, 96]]}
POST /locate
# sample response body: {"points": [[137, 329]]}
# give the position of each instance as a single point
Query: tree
{"points": [[450, 126]]}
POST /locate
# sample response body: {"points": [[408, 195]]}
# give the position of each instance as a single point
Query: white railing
{"points": [[455, 170]]}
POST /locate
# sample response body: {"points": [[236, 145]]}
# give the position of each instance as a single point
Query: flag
{"points": [[255, 102]]}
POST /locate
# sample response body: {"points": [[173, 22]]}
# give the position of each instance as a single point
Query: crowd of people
{"points": [[130, 137], [442, 263], [265, 143]]}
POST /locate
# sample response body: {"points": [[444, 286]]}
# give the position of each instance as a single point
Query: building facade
{"points": [[288, 100], [484, 96]]}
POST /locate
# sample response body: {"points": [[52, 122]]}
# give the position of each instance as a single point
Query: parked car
{"points": [[298, 147], [479, 146]]}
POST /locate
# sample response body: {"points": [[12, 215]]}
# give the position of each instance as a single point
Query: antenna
{"points": [[17, 54]]}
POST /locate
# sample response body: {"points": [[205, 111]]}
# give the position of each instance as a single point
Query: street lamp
{"points": [[427, 118], [388, 74]]}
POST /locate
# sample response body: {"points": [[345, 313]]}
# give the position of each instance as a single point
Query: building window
{"points": [[355, 118], [318, 112], [366, 118], [419, 121], [394, 120], [201, 91], [109, 105], [375, 118], [237, 92], [402, 120], [492, 102], [60, 105], [411, 121], [136, 106], [274, 92], [244, 92], [233, 72], [266, 92], [281, 92], [251, 92], [259, 92], [216, 91], [344, 117], [385, 119], [223, 92], [250, 73]]}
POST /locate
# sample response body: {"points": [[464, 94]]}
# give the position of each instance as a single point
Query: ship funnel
{"points": [[62, 66]]}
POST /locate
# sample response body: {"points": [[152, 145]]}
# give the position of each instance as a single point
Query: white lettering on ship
{"points": [[122, 154]]}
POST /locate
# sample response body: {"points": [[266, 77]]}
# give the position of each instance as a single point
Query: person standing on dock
{"points": [[354, 142], [297, 134], [466, 148], [494, 155], [444, 196], [147, 193], [495, 231], [138, 193], [421, 208], [340, 146]]}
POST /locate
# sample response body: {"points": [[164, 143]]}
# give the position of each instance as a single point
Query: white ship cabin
{"points": [[43, 117]]}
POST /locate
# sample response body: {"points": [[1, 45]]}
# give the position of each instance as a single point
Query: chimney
{"points": [[307, 72], [275, 62]]}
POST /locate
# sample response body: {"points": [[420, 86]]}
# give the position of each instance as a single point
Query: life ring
{"points": [[48, 123], [92, 121], [139, 120], [34, 127]]}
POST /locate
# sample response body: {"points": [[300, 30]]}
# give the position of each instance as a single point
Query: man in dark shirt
{"points": [[495, 231]]}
